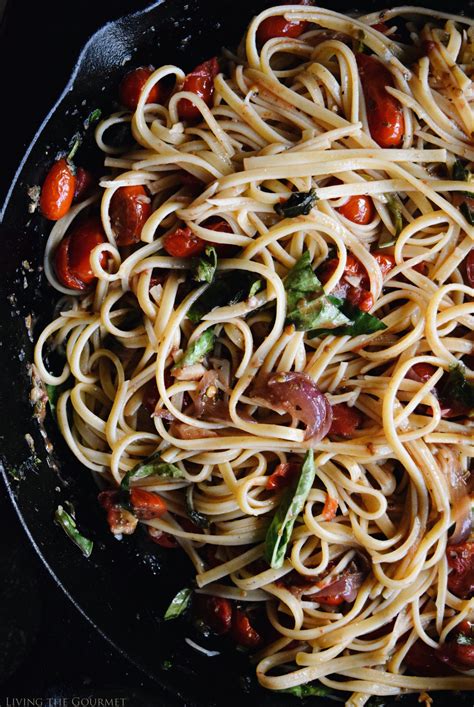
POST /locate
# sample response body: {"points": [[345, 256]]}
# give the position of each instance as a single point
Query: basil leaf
{"points": [[458, 388], [361, 322], [179, 604], [395, 209], [68, 524], [301, 282], [196, 352], [320, 312], [197, 518], [292, 503], [205, 267], [230, 288], [314, 689], [151, 466], [300, 203], [462, 174], [467, 212], [53, 392]]}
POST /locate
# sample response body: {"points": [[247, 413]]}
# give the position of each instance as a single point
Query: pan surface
{"points": [[124, 587]]}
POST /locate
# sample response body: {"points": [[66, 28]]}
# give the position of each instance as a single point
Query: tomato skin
{"points": [[84, 182], [384, 112], [107, 499], [385, 261], [381, 27], [330, 508], [423, 660], [132, 85], [201, 82], [162, 539], [57, 191], [72, 257], [243, 632], [469, 266], [130, 208], [216, 613], [421, 372], [183, 243], [461, 561], [345, 420], [147, 505], [283, 476], [360, 298], [277, 26], [358, 209]]}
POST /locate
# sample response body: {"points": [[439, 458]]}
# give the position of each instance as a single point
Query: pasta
{"points": [[300, 386]]}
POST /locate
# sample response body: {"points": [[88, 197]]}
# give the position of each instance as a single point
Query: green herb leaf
{"points": [[467, 212], [53, 392], [197, 518], [464, 640], [395, 208], [462, 174], [256, 287], [93, 117], [301, 282], [196, 352], [205, 267], [292, 503], [312, 689], [300, 203], [362, 322], [360, 47], [151, 466], [230, 288], [179, 604], [77, 141], [68, 524], [458, 388]]}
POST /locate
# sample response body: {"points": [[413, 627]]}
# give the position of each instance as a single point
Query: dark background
{"points": [[47, 649]]}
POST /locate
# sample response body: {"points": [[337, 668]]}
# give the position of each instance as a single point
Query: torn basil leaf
{"points": [[359, 322], [301, 282], [196, 352], [312, 689], [151, 466], [230, 288], [68, 524], [205, 266], [467, 212], [197, 518], [53, 392], [179, 604], [458, 388], [292, 503], [395, 208], [320, 312], [462, 174], [300, 203]]}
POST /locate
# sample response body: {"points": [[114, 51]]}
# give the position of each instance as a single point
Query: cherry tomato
{"points": [[72, 257], [57, 192], [279, 27], [330, 508], [381, 27], [147, 505], [283, 476], [162, 539], [216, 613], [183, 243], [130, 208], [459, 655], [469, 265], [242, 631], [345, 420], [421, 372], [358, 209], [384, 112], [201, 82], [461, 561], [423, 660], [360, 298], [385, 262], [121, 521], [84, 182], [108, 499], [132, 85], [330, 600]]}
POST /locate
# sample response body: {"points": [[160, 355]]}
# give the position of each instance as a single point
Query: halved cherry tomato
{"points": [[130, 207], [421, 372], [359, 296], [459, 654], [121, 521], [216, 613], [345, 420], [461, 561], [72, 257], [279, 27], [201, 82], [384, 112], [358, 209], [147, 505], [84, 182], [162, 539], [330, 508], [183, 243], [57, 191], [469, 266], [423, 660], [243, 632], [132, 84], [283, 476], [385, 261]]}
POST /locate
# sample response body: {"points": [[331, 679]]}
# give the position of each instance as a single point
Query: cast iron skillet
{"points": [[124, 588]]}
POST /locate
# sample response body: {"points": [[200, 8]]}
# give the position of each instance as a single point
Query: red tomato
{"points": [[358, 209], [459, 655], [183, 243], [360, 298], [385, 262], [384, 112], [469, 265], [345, 420], [84, 182], [132, 84], [107, 499], [147, 505], [130, 207], [72, 257], [283, 476], [216, 613], [381, 27], [421, 372], [423, 660], [58, 189], [201, 82], [330, 508], [279, 27], [461, 561], [330, 600], [242, 631], [162, 539], [121, 521]]}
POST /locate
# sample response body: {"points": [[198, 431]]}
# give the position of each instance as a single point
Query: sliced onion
{"points": [[190, 373], [298, 395], [463, 527], [346, 586], [182, 430]]}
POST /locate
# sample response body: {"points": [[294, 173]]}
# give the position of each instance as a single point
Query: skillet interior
{"points": [[124, 587]]}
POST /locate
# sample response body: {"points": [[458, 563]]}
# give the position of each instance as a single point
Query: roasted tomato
{"points": [[121, 521], [84, 183], [345, 420], [421, 372], [277, 26], [162, 539], [147, 505], [243, 632], [58, 189], [357, 295], [130, 207], [72, 257], [283, 476], [461, 561], [358, 209], [384, 112], [132, 84], [469, 268], [458, 652], [216, 613], [385, 261], [201, 82], [183, 243], [423, 660], [330, 508]]}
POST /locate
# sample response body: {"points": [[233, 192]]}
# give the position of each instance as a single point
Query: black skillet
{"points": [[124, 588]]}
